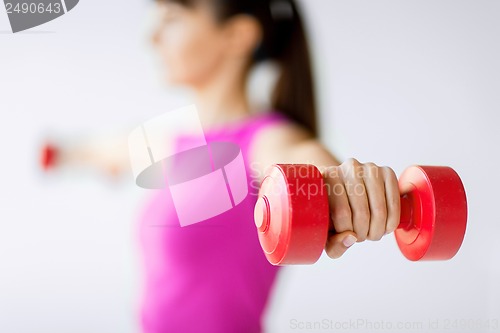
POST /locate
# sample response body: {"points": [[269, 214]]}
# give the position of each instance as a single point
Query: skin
{"points": [[213, 58]]}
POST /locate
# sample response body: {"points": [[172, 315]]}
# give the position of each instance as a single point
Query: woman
{"points": [[212, 276]]}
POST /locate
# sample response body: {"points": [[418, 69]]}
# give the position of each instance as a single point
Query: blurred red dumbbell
{"points": [[48, 156]]}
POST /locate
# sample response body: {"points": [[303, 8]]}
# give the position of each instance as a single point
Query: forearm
{"points": [[105, 153]]}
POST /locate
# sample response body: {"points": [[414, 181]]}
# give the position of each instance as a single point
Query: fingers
{"points": [[340, 211], [337, 244], [364, 204], [392, 199], [375, 190], [352, 176]]}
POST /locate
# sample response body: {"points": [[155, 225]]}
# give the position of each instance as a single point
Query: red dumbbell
{"points": [[48, 156], [292, 213]]}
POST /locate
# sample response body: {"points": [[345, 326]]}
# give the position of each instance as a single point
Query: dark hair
{"points": [[284, 41]]}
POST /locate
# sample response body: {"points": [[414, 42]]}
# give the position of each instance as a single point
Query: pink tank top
{"points": [[211, 276]]}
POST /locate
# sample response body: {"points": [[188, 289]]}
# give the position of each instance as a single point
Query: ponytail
{"points": [[294, 91], [284, 41]]}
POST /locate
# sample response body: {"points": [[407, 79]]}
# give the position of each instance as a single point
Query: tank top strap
{"points": [[241, 133], [261, 121]]}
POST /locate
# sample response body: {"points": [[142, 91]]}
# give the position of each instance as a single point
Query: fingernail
{"points": [[349, 240]]}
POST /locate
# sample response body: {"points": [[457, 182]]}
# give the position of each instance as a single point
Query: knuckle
{"points": [[394, 205], [361, 237], [350, 164], [390, 230], [330, 171], [370, 166], [352, 161], [396, 202], [392, 224], [361, 222], [362, 215], [342, 214], [389, 172], [371, 170], [375, 236], [379, 211]]}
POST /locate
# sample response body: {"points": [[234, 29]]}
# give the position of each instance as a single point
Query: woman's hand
{"points": [[107, 153], [364, 204]]}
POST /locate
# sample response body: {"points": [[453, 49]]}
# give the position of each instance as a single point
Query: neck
{"points": [[223, 100]]}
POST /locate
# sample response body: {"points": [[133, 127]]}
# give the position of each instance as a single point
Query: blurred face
{"points": [[190, 42]]}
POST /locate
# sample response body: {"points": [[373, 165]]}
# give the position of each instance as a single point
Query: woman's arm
{"points": [[367, 205], [107, 154]]}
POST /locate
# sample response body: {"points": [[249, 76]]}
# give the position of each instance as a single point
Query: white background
{"points": [[401, 83]]}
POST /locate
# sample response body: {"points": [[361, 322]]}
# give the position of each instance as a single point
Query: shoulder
{"points": [[273, 143], [287, 142], [281, 134]]}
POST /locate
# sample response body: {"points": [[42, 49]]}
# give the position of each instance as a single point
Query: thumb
{"points": [[338, 243]]}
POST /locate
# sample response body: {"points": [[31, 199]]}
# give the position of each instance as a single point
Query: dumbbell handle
{"points": [[262, 213]]}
